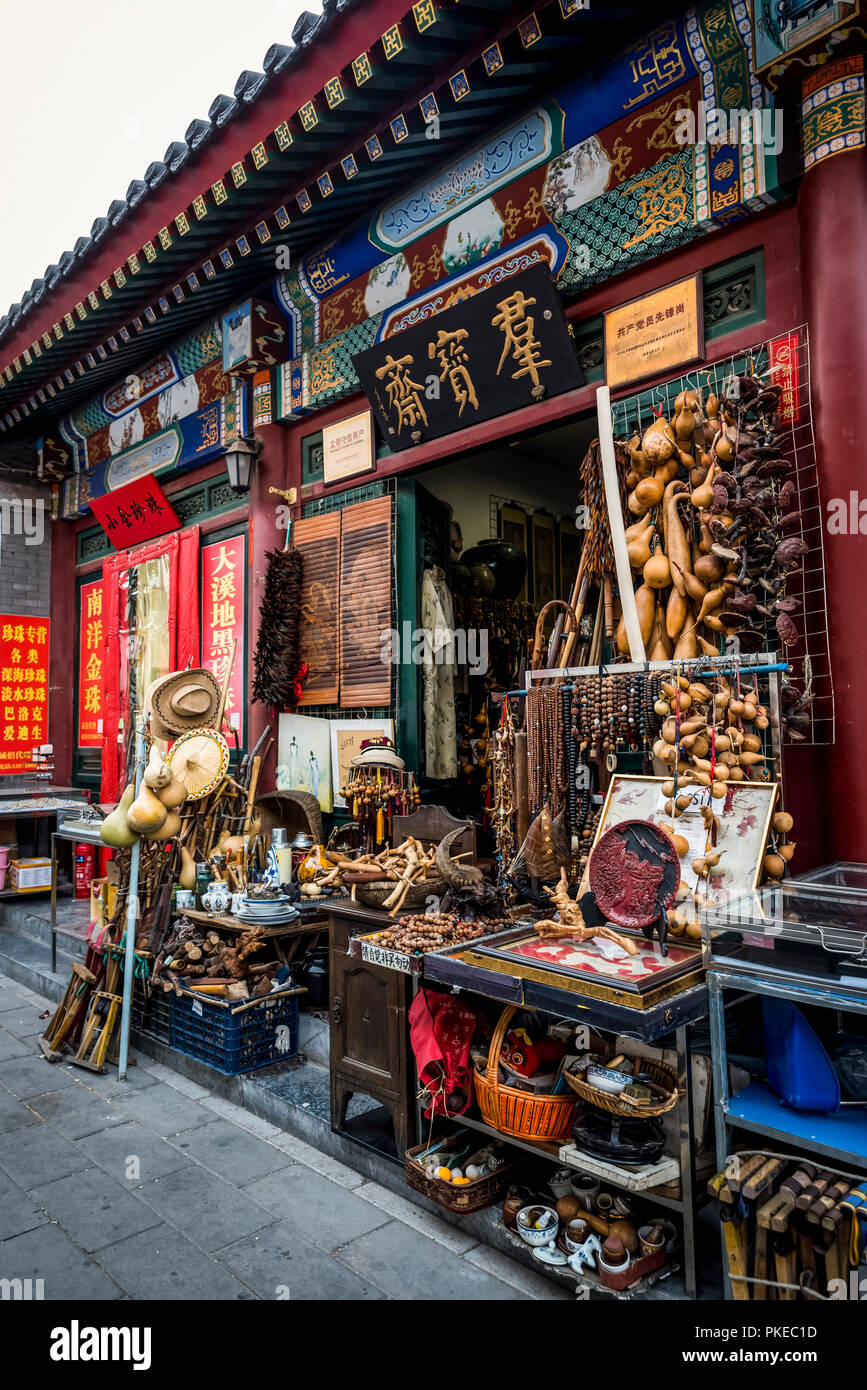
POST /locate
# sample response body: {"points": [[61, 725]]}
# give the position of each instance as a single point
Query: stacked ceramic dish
{"points": [[267, 912]]}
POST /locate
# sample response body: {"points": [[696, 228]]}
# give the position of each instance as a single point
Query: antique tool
{"points": [[761, 1179], [743, 1171], [79, 985], [777, 1208], [734, 1229], [98, 1032]]}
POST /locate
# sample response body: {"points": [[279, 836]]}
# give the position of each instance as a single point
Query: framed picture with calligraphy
{"points": [[546, 573], [499, 350], [656, 333]]}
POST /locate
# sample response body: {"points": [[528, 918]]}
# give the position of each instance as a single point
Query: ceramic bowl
{"points": [[528, 1232], [604, 1079]]}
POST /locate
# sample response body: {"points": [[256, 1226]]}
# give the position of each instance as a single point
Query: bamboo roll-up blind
{"points": [[317, 539], [365, 603]]}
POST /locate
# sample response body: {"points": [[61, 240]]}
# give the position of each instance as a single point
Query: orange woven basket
{"points": [[523, 1114]]}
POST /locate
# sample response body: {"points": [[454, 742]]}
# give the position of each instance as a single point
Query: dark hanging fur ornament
{"points": [[279, 670]]}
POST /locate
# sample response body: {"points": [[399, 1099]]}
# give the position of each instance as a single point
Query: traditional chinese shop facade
{"points": [[589, 193]]}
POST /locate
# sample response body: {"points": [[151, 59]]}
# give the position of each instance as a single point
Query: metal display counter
{"points": [[804, 940], [674, 1015]]}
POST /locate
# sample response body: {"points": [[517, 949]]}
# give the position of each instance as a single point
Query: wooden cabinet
{"points": [[369, 1030]]}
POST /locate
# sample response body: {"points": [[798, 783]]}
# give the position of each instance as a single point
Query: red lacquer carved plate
{"points": [[633, 868]]}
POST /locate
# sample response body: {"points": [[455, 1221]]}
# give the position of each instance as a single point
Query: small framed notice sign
{"points": [[347, 448], [659, 332]]}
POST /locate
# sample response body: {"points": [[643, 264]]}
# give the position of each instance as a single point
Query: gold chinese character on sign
{"points": [[519, 329], [402, 391], [94, 603], [449, 349]]}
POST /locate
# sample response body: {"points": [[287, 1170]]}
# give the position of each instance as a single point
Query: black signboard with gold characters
{"points": [[497, 351]]}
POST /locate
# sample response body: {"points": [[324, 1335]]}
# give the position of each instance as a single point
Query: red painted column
{"points": [[832, 210]]}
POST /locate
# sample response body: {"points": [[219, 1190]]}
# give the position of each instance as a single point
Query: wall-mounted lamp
{"points": [[241, 458]]}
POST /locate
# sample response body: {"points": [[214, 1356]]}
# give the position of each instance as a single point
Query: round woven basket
{"points": [[663, 1076], [523, 1114], [375, 894]]}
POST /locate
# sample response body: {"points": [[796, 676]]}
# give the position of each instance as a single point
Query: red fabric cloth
{"points": [[182, 552], [441, 1029]]}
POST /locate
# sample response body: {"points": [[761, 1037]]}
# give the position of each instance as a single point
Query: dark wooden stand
{"points": [[369, 1034]]}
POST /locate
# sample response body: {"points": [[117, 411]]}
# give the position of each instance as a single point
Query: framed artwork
{"points": [[304, 757], [513, 527], [546, 573], [570, 544], [744, 814], [584, 963], [347, 736], [781, 30]]}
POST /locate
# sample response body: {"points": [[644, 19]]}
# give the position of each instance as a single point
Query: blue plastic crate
{"points": [[260, 1034]]}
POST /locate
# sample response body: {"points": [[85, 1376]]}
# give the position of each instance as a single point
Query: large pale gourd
{"points": [[171, 826], [115, 829], [147, 813], [187, 876], [157, 774], [174, 795]]}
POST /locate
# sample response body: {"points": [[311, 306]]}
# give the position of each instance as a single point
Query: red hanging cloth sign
{"points": [[135, 513]]}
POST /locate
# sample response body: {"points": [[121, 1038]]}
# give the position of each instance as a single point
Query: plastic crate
{"points": [[151, 1014], [236, 1038]]}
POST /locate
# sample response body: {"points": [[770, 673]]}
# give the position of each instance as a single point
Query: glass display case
{"points": [[842, 874], [800, 930]]}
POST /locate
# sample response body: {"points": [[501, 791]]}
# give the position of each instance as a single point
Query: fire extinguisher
{"points": [[85, 861]]}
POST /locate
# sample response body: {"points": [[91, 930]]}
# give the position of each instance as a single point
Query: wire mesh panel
{"points": [[784, 361]]}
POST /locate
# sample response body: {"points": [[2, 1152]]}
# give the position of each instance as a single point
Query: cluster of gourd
{"points": [[153, 813], [691, 511], [711, 738]]}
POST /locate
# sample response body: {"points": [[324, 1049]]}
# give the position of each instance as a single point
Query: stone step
{"points": [[33, 919], [28, 960]]}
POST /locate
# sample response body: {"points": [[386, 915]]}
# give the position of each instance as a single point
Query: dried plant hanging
{"points": [[279, 669]]}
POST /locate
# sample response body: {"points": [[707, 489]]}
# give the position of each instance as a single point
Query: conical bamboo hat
{"points": [[199, 759]]}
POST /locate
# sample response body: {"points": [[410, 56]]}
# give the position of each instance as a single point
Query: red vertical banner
{"points": [[785, 367], [223, 587], [91, 644], [23, 691]]}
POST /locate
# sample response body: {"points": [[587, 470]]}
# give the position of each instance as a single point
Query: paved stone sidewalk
{"points": [[154, 1188]]}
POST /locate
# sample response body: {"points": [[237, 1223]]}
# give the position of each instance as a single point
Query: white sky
{"points": [[91, 93]]}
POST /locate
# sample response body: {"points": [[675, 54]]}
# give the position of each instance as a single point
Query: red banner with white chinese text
{"points": [[223, 620], [785, 366], [23, 691], [91, 640]]}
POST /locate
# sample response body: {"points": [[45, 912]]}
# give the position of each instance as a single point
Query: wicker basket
{"points": [[294, 811], [376, 893], [465, 1198], [663, 1076], [522, 1114]]}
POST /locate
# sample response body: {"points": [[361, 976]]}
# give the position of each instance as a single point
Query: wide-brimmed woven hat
{"points": [[182, 701], [377, 752]]}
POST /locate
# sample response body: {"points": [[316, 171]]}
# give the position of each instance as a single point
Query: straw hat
{"points": [[377, 752], [182, 701], [199, 759]]}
